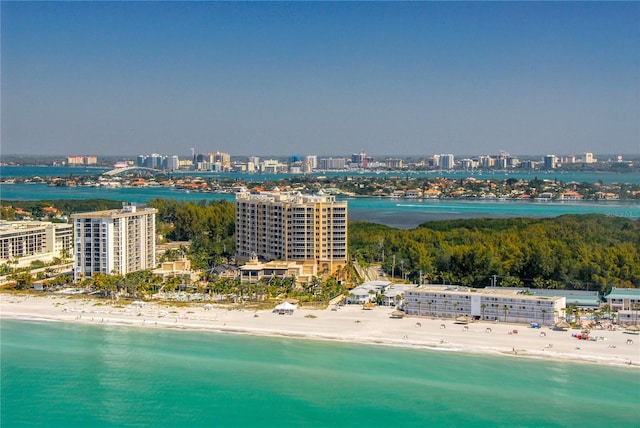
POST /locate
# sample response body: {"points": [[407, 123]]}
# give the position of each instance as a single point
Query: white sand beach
{"points": [[347, 324]]}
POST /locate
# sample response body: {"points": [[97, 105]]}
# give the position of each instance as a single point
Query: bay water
{"points": [[605, 177], [401, 213], [73, 375]]}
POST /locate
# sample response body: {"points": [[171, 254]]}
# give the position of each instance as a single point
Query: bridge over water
{"points": [[131, 170]]}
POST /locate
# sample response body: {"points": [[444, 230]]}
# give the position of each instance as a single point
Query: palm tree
{"points": [[576, 313], [349, 297], [544, 313], [430, 303], [313, 285], [419, 307], [571, 310], [171, 284], [398, 300], [446, 302], [505, 308], [483, 307], [23, 280], [606, 308]]}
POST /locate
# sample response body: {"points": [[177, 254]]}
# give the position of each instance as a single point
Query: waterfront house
{"points": [[570, 196], [367, 291]]}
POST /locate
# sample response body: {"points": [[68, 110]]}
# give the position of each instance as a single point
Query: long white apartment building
{"points": [[483, 304], [114, 241], [290, 226], [22, 242]]}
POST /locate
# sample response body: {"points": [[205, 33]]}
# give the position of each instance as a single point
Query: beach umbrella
{"points": [[369, 305], [562, 325], [633, 328], [463, 319], [397, 314]]}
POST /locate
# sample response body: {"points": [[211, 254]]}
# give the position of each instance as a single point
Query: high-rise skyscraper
{"points": [[292, 227], [313, 161], [114, 241], [360, 159], [447, 161], [549, 161]]}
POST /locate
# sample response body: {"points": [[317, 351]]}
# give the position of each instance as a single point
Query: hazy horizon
{"points": [[598, 156], [414, 79]]}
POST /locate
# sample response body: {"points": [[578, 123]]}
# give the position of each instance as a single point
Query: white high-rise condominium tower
{"points": [[114, 241], [549, 161], [313, 161], [447, 161], [588, 158], [292, 227]]}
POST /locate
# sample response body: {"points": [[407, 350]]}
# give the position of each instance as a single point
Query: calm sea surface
{"points": [[392, 212], [7, 171], [402, 213], [65, 375]]}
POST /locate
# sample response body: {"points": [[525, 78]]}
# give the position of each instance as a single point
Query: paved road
{"points": [[375, 273]]}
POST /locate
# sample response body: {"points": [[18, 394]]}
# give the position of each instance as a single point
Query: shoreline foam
{"points": [[349, 324]]}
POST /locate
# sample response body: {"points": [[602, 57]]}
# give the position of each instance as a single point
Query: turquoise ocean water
{"points": [[66, 375]]}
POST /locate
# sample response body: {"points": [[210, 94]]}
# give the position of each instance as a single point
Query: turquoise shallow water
{"points": [[63, 375]]}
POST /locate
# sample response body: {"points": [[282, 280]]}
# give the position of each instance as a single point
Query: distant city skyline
{"points": [[392, 79]]}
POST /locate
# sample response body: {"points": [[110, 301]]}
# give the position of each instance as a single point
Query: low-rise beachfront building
{"points": [[628, 317], [177, 269], [394, 294], [581, 299], [483, 304], [254, 270], [384, 293], [366, 292], [623, 299], [22, 242], [626, 302]]}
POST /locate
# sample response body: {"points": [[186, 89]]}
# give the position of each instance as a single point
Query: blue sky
{"points": [[282, 78]]}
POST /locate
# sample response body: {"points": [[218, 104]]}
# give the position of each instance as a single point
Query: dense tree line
{"points": [[210, 226], [592, 252], [67, 206]]}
